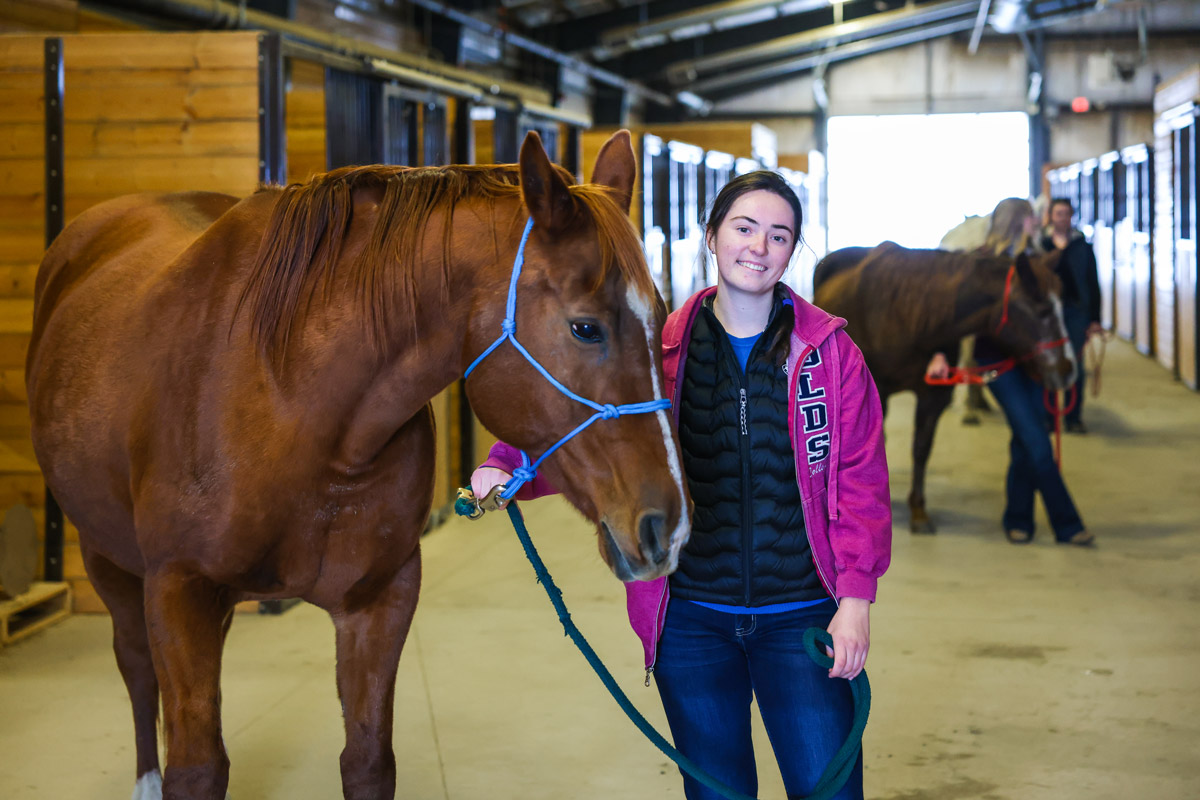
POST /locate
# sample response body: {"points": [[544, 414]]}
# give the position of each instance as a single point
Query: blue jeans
{"points": [[1075, 320], [710, 664], [1031, 466]]}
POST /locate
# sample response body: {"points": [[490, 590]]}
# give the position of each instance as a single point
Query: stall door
{"points": [[1124, 309], [1164, 244], [1185, 252], [1107, 173]]}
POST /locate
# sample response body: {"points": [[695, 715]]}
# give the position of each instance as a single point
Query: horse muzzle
{"points": [[654, 557]]}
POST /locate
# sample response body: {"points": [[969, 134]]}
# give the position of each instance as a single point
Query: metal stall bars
{"points": [[1135, 309], [1065, 184], [804, 261], [718, 169], [1086, 221], [1109, 185], [52, 568], [686, 237], [656, 212]]}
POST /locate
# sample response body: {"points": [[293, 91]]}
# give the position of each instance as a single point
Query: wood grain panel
{"points": [[204, 50], [105, 177]]}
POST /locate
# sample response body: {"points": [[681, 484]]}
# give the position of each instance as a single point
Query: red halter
{"points": [[986, 373]]}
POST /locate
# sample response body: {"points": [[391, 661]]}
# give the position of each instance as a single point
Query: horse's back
{"points": [[837, 262], [139, 227]]}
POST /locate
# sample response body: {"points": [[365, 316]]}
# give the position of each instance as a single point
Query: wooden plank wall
{"points": [[304, 117], [22, 238], [142, 112]]}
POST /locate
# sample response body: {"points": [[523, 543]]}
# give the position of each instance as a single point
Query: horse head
{"points": [[1031, 321], [586, 309]]}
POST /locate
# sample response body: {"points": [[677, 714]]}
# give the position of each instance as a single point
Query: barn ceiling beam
{"points": [[722, 84], [538, 49], [700, 22], [682, 72]]}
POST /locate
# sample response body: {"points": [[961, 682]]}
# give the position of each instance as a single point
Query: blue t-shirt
{"points": [[774, 608], [742, 347]]}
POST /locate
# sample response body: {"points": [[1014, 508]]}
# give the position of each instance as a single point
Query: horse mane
{"points": [[306, 234]]}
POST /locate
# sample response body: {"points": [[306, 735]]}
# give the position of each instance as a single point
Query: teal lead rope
{"points": [[835, 774]]}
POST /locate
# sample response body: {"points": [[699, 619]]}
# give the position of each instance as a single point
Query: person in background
{"points": [[781, 431], [1080, 293], [1031, 469]]}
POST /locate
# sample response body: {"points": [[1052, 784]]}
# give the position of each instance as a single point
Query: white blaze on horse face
{"points": [[643, 309]]}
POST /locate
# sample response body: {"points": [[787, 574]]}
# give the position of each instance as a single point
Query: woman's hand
{"points": [[1094, 329], [938, 367], [851, 632], [484, 479]]}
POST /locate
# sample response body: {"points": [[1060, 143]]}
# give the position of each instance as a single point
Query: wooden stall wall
{"points": [[1187, 323], [142, 112], [22, 240], [1166, 100], [304, 119]]}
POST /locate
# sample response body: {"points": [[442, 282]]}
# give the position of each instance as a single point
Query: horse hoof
{"points": [[922, 526]]}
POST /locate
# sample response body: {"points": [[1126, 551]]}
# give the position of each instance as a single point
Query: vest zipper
{"points": [[747, 496]]}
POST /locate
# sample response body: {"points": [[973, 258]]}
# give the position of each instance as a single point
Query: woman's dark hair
{"points": [[780, 329], [1062, 201], [759, 180]]}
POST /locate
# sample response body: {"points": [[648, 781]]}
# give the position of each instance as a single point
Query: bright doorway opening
{"points": [[911, 178]]}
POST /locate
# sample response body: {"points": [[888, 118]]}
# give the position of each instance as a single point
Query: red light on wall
{"points": [[1080, 104]]}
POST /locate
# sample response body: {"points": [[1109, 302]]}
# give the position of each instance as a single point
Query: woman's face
{"points": [[754, 242], [1030, 225]]}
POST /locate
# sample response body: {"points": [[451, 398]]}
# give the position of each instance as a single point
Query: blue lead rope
{"points": [[508, 332], [840, 767]]}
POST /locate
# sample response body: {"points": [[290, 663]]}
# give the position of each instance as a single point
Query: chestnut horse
{"points": [[231, 401], [902, 306]]}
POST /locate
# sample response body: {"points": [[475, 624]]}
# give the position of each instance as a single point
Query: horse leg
{"points": [[369, 641], [187, 617], [931, 402], [122, 593]]}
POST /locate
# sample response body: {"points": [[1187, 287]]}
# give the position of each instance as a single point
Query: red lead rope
{"points": [[1058, 411], [986, 373]]}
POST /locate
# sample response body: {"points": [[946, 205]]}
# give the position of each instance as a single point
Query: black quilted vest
{"points": [[748, 545]]}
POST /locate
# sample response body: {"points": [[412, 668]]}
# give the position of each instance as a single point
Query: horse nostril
{"points": [[652, 536]]}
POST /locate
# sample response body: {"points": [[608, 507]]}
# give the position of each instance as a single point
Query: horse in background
{"points": [[230, 399], [902, 306]]}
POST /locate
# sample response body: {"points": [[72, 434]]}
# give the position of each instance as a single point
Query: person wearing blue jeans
{"points": [[1031, 467], [1080, 280], [780, 435], [712, 663]]}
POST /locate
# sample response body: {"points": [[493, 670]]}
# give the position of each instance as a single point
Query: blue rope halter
{"points": [[528, 471]]}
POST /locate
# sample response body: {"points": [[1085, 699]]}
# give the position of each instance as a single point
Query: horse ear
{"points": [[616, 168], [544, 191]]}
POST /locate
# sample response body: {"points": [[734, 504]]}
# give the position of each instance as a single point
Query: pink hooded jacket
{"points": [[836, 426]]}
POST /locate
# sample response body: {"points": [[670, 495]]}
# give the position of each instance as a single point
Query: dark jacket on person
{"points": [[1078, 273], [748, 545]]}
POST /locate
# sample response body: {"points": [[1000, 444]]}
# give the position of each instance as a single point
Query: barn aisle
{"points": [[1031, 672]]}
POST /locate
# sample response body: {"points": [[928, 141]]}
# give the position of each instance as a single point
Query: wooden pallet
{"points": [[40, 607]]}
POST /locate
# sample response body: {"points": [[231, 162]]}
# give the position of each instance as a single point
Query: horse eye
{"points": [[588, 332]]}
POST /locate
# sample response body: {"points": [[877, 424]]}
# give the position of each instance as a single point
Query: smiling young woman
{"points": [[780, 428]]}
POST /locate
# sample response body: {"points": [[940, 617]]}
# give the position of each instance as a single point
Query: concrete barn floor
{"points": [[999, 672]]}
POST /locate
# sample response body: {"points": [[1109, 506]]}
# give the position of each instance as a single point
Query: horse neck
{"points": [[969, 309]]}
